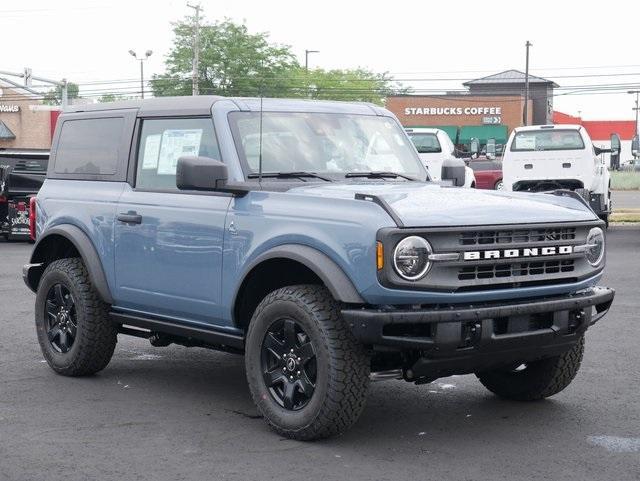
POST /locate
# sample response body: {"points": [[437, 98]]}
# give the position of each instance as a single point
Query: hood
{"points": [[433, 205]]}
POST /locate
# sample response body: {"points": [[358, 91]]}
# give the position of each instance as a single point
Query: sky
{"points": [[425, 45]]}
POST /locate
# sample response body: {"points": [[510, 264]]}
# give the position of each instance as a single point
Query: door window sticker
{"points": [[175, 144]]}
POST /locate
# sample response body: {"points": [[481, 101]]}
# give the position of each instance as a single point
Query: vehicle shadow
{"points": [[457, 411]]}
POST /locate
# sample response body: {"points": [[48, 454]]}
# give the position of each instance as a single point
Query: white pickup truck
{"points": [[434, 148], [550, 157]]}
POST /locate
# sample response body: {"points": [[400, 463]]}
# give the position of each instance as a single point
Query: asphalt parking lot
{"points": [[176, 413]]}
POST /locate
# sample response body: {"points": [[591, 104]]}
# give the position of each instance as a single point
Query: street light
{"points": [[147, 54], [306, 57]]}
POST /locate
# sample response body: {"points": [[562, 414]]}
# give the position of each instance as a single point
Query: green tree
{"points": [[111, 97], [352, 85], [233, 62], [54, 96]]}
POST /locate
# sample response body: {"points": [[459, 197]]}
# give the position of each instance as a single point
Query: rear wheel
{"points": [[499, 185], [535, 380], [307, 374], [76, 336]]}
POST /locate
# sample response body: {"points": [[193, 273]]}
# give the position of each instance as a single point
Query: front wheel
{"points": [[499, 185], [535, 380], [76, 336], [307, 374]]}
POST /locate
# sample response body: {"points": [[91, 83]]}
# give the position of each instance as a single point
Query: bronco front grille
{"points": [[511, 236], [516, 269]]}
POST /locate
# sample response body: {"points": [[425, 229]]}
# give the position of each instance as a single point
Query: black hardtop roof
{"points": [[201, 105]]}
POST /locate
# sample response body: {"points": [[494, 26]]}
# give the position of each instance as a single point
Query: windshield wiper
{"points": [[374, 174], [288, 175]]}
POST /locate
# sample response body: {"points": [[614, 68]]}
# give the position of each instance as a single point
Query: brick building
{"points": [[24, 122], [490, 108]]}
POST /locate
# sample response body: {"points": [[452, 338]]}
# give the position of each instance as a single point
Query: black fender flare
{"points": [[338, 283], [85, 248]]}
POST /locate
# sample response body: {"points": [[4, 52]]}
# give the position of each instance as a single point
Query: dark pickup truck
{"points": [[22, 173]]}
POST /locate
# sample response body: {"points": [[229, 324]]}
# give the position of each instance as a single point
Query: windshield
{"points": [[531, 140], [426, 143], [327, 144]]}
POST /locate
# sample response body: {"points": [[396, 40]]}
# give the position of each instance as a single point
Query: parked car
{"points": [[549, 157], [488, 173], [22, 172], [324, 256], [437, 151]]}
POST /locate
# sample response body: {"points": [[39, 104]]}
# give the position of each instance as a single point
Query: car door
{"points": [[168, 254]]}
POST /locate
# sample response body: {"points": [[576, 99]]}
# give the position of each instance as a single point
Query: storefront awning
{"points": [[451, 130], [5, 132], [482, 133]]}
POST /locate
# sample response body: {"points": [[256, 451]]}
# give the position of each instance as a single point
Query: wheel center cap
{"points": [[291, 364]]}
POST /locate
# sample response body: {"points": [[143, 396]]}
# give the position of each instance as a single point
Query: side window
{"points": [[164, 141], [89, 146]]}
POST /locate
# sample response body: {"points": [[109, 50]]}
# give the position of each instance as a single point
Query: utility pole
{"points": [[306, 58], [196, 50], [636, 108], [526, 86]]}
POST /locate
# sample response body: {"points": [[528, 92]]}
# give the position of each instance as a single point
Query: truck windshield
{"points": [[426, 143], [328, 144], [531, 140]]}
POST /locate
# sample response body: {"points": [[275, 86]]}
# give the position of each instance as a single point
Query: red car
{"points": [[488, 173]]}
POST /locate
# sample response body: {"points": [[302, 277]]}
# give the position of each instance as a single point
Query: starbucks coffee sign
{"points": [[479, 110], [9, 108]]}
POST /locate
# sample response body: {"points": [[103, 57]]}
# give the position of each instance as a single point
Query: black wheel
{"points": [[535, 380], [75, 334], [307, 374], [499, 185]]}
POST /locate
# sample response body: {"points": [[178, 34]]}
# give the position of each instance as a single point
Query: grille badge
{"points": [[526, 252]]}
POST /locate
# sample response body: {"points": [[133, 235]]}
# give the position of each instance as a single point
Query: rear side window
{"points": [[89, 146], [164, 141]]}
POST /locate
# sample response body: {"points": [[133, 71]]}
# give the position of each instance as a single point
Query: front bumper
{"points": [[464, 338]]}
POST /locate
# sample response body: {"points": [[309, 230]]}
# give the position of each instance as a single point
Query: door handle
{"points": [[131, 217]]}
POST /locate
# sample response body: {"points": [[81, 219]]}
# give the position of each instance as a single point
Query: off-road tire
{"points": [[538, 380], [343, 365], [96, 335]]}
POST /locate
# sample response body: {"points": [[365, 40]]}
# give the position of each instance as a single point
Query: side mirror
{"points": [[635, 146], [206, 174], [453, 170], [615, 151], [615, 144], [474, 146], [491, 148]]}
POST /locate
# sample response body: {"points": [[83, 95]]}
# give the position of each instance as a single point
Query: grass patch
{"points": [[625, 215], [625, 180]]}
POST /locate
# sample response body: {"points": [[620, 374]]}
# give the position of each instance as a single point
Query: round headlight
{"points": [[411, 258], [595, 246]]}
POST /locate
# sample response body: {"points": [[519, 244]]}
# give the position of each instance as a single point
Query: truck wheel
{"points": [[535, 380], [76, 336], [307, 374]]}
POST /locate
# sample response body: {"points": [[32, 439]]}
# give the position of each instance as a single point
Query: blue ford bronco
{"points": [[308, 237]]}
